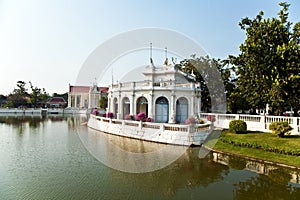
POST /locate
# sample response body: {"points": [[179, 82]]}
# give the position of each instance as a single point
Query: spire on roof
{"points": [[151, 60], [166, 56]]}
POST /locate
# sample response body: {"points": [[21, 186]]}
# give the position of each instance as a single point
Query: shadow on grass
{"points": [[291, 136], [248, 132]]}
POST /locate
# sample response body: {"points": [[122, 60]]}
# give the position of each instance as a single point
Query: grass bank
{"points": [[265, 146]]}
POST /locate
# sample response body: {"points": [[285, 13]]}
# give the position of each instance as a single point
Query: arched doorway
{"points": [[142, 105], [115, 105], [126, 107], [181, 110], [161, 110]]}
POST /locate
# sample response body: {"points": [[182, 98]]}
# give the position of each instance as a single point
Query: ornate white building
{"points": [[166, 95]]}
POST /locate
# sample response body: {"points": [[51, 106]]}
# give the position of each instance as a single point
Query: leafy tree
{"points": [[214, 76], [103, 102], [19, 96], [2, 100], [37, 95], [268, 67]]}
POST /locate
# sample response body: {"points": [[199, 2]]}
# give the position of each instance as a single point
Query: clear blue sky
{"points": [[47, 41]]}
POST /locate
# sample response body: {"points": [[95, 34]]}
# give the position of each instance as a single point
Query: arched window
{"points": [[161, 110], [181, 110], [142, 105]]}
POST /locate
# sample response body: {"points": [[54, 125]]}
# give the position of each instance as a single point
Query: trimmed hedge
{"points": [[280, 128], [238, 126]]}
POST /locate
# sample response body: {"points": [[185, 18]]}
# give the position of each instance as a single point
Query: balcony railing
{"points": [[148, 84]]}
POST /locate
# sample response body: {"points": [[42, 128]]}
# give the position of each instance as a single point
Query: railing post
{"points": [[162, 127], [295, 124], [263, 122]]}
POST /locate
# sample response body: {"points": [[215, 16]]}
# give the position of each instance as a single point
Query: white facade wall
{"points": [[163, 81]]}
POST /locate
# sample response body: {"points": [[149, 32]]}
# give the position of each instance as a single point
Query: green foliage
{"points": [[21, 97], [18, 97], [268, 64], [103, 102], [209, 72], [238, 126], [237, 163], [37, 95], [280, 128]]}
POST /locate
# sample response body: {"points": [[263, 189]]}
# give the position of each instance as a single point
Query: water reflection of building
{"points": [[187, 171], [254, 166]]}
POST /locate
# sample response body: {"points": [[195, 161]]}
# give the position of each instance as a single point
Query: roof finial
{"points": [[166, 52], [151, 61], [166, 55]]}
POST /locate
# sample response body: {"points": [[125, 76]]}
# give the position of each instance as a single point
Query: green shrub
{"points": [[238, 126], [280, 128]]}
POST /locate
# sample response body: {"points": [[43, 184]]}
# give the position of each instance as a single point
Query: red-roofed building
{"points": [[86, 96], [56, 102]]}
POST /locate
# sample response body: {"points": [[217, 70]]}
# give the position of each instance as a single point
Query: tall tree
{"points": [[269, 63], [37, 95], [2, 100], [19, 96], [214, 77]]}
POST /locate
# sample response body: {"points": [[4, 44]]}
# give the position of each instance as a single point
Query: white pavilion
{"points": [[167, 95]]}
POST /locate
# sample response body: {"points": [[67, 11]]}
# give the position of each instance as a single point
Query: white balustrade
{"points": [[254, 122]]}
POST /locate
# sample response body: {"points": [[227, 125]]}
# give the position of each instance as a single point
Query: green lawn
{"points": [[264, 146]]}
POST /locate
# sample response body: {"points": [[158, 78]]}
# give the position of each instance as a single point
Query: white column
{"points": [[75, 102], [132, 105], [69, 99], [151, 106], [90, 105], [120, 107], [172, 109]]}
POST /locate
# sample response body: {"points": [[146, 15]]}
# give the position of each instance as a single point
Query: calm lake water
{"points": [[47, 158]]}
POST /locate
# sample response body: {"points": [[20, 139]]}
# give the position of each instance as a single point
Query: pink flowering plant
{"points": [[191, 120], [95, 112], [129, 117], [211, 118], [108, 115], [149, 119], [141, 116]]}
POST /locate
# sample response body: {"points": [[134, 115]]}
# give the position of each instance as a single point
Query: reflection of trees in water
{"points": [[187, 171], [275, 185], [237, 163], [19, 122], [272, 182]]}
